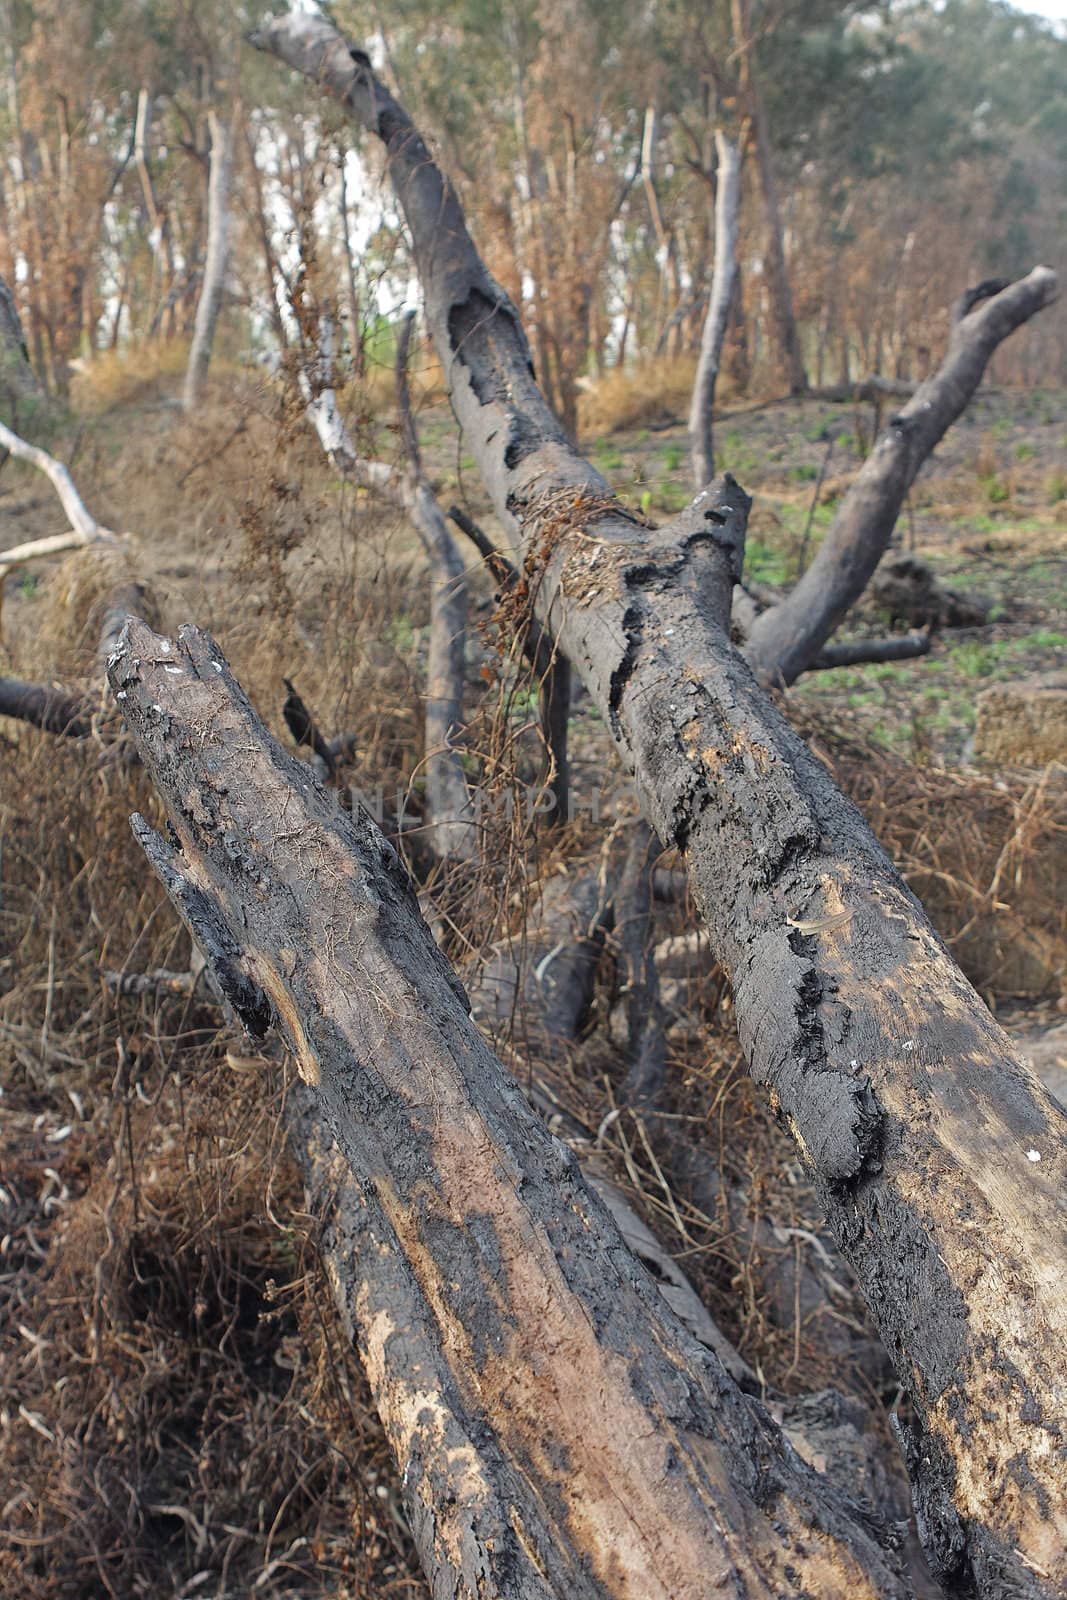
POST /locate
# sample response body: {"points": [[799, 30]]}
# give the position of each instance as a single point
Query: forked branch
{"points": [[84, 528]]}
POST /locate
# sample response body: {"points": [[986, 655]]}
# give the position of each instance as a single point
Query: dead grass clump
{"points": [[653, 394], [986, 856], [143, 371], [180, 1406]]}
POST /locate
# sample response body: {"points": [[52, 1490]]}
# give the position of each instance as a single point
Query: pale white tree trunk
{"points": [[701, 411], [218, 228], [84, 528]]}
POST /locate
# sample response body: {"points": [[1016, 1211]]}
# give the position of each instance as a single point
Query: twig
{"points": [[803, 556]]}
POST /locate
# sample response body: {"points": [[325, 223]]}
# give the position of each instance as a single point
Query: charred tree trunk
{"points": [[787, 638], [536, 991], [562, 1434], [938, 1157]]}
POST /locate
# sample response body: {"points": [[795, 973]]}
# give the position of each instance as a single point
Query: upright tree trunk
{"points": [[355, 331], [18, 381], [453, 826], [724, 275], [274, 276], [669, 271], [215, 258], [787, 337], [158, 223]]}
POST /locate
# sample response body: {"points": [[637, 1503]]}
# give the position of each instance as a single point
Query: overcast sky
{"points": [[1056, 9]]}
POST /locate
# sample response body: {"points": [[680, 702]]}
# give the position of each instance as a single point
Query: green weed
{"points": [[994, 488], [975, 660]]}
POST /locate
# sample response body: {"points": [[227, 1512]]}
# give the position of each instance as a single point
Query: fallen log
{"points": [[830, 1431], [51, 710], [940, 1161], [863, 652], [562, 1434]]}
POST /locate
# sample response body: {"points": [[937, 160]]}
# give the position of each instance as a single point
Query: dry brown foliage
{"points": [[180, 1409], [987, 856]]}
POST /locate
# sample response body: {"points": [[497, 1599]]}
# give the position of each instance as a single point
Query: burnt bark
{"points": [[938, 1157], [562, 1434], [547, 974], [51, 710], [645, 1027], [305, 730]]}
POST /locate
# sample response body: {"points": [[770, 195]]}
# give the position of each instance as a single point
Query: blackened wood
{"points": [[646, 1038], [940, 1161], [786, 638], [561, 1433], [303, 727], [860, 652], [52, 710]]}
